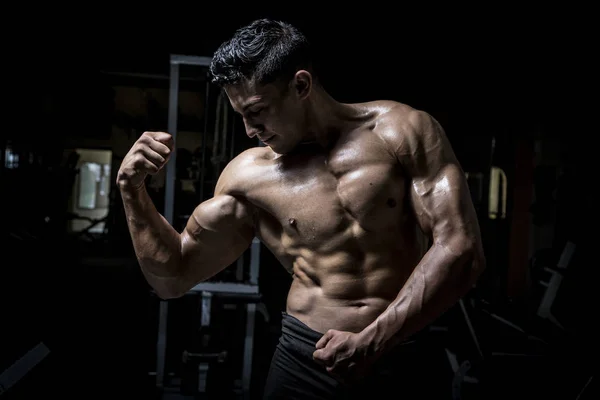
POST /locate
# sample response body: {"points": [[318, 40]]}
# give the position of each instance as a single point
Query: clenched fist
{"points": [[146, 157], [347, 356]]}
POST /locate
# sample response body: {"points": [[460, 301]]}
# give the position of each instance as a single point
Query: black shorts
{"points": [[293, 374]]}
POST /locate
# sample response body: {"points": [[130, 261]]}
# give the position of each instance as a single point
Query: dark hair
{"points": [[264, 51]]}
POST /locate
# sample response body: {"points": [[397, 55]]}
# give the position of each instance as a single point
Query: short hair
{"points": [[263, 51]]}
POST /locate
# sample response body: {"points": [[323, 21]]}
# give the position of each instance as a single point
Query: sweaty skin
{"points": [[343, 220], [342, 215]]}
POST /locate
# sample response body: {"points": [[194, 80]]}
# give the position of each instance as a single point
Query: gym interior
{"points": [[79, 319]]}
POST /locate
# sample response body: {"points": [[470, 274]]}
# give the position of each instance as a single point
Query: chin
{"points": [[282, 148]]}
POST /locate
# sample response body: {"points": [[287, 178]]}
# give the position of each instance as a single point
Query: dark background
{"points": [[511, 87]]}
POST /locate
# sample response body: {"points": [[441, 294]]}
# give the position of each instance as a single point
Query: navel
{"points": [[391, 203]]}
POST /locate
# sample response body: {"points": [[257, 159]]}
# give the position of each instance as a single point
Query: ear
{"points": [[302, 84]]}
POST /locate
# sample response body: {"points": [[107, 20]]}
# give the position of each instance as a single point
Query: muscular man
{"points": [[337, 194]]}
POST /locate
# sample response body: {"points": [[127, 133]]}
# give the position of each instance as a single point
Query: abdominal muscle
{"points": [[347, 295]]}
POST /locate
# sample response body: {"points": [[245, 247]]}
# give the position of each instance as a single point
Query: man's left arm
{"points": [[442, 205]]}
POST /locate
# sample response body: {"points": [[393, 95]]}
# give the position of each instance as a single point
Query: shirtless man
{"points": [[337, 194]]}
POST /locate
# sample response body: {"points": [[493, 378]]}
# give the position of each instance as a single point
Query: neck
{"points": [[327, 118]]}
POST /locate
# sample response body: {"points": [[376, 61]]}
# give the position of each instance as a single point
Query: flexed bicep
{"points": [[217, 234], [442, 205]]}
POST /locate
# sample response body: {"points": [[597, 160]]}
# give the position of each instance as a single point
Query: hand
{"points": [[346, 355], [146, 157]]}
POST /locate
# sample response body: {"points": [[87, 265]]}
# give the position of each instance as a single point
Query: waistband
{"points": [[293, 327]]}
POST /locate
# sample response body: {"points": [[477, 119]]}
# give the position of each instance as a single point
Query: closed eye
{"points": [[254, 113]]}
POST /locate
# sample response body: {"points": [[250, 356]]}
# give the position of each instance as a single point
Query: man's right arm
{"points": [[217, 233]]}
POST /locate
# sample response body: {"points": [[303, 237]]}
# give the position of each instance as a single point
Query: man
{"points": [[337, 195]]}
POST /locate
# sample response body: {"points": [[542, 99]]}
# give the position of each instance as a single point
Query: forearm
{"points": [[156, 243], [441, 278]]}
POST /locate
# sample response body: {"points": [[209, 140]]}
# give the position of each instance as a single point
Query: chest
{"points": [[315, 197]]}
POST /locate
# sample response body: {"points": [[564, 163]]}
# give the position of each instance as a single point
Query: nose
{"points": [[252, 130], [252, 133]]}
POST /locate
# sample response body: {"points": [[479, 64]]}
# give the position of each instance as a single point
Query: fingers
{"points": [[153, 151], [323, 357], [140, 163], [155, 158], [161, 137], [146, 157], [160, 148], [324, 339]]}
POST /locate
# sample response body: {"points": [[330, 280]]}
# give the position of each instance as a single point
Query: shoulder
{"points": [[414, 138], [406, 129], [242, 170]]}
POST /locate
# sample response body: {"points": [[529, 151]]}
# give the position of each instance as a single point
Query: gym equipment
{"points": [[480, 364], [553, 284], [480, 369], [242, 287], [202, 361], [22, 366], [585, 390], [248, 294]]}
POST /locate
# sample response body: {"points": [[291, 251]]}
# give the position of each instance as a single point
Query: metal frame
{"points": [[176, 61], [170, 168], [206, 289], [14, 373], [251, 287]]}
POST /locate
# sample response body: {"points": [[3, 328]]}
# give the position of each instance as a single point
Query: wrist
{"points": [[125, 183], [130, 191], [372, 338]]}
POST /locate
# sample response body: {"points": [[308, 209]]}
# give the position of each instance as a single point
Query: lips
{"points": [[267, 139]]}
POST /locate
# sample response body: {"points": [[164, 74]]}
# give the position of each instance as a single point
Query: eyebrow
{"points": [[250, 104]]}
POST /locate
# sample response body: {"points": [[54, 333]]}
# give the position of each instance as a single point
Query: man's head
{"points": [[266, 70]]}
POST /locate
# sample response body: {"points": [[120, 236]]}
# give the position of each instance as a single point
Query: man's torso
{"points": [[339, 221]]}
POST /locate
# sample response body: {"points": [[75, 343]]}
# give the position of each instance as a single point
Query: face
{"points": [[274, 113]]}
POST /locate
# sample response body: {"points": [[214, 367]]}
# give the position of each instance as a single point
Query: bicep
{"points": [[442, 205], [217, 234]]}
